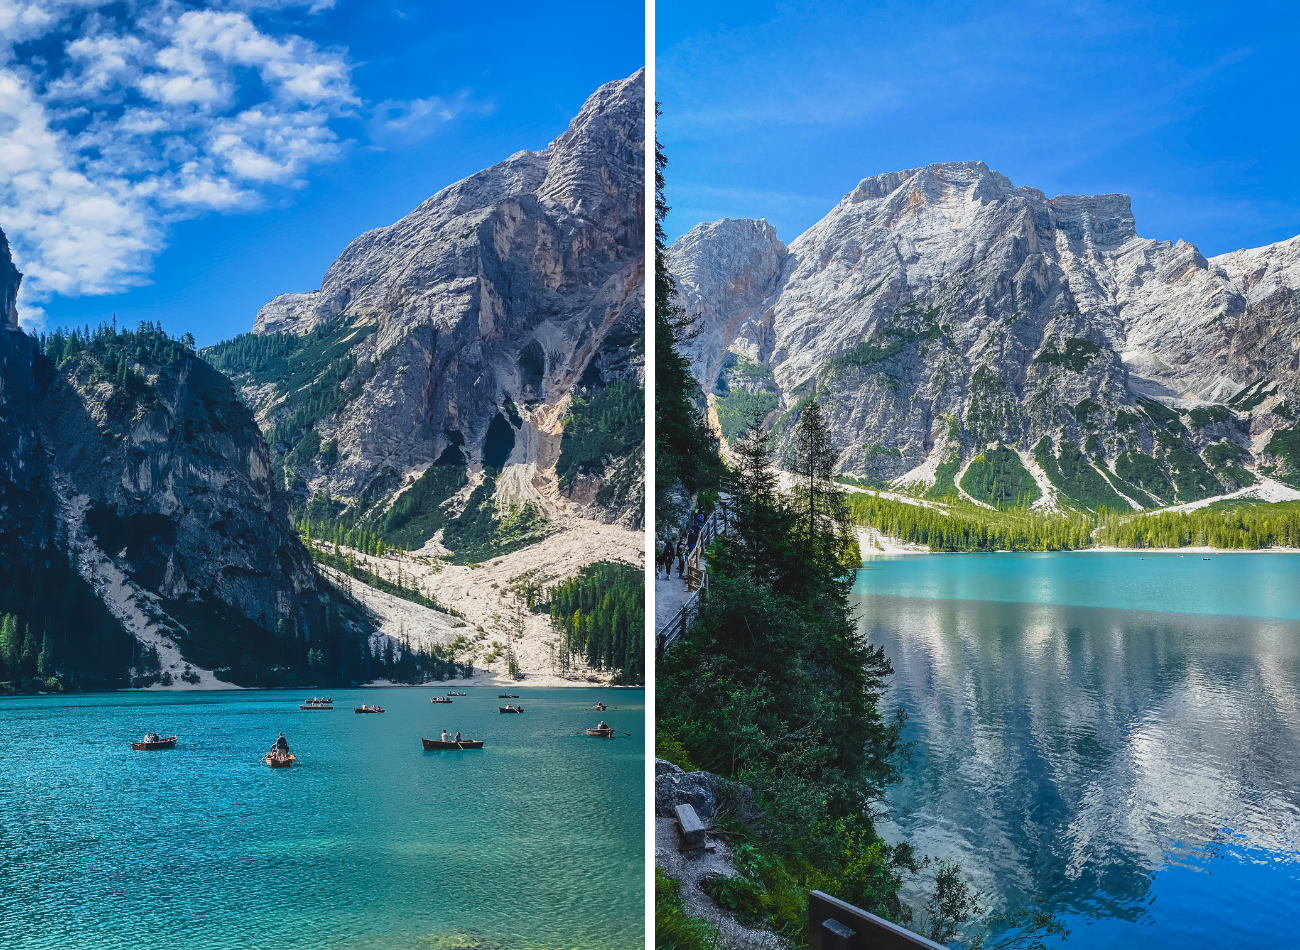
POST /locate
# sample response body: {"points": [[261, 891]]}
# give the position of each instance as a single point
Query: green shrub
{"points": [[670, 750], [674, 928], [1076, 355]]}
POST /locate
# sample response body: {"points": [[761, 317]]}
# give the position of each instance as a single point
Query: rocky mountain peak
{"points": [[938, 310], [443, 358], [9, 281], [599, 160]]}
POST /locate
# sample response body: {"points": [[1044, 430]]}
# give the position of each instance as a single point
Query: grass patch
{"points": [[674, 928]]}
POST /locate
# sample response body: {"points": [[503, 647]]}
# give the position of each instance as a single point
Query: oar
{"points": [[622, 733]]}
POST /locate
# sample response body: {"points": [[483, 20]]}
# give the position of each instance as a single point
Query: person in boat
{"points": [[444, 735], [281, 746], [457, 735], [602, 725]]}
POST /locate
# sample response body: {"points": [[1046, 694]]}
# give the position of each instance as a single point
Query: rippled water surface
{"points": [[369, 842], [1120, 734]]}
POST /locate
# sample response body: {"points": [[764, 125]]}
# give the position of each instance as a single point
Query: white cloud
{"points": [[410, 119], [148, 116]]}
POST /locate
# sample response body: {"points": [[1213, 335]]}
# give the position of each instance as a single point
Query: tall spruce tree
{"points": [[686, 451], [826, 513]]}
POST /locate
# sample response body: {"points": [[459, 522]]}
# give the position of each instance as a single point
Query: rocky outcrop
{"points": [[940, 310], [178, 492], [9, 281], [475, 322], [137, 509]]}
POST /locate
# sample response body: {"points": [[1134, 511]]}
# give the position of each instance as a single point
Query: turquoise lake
{"points": [[1118, 733], [536, 841]]}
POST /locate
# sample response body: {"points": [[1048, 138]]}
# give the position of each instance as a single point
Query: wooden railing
{"points": [[697, 582], [835, 925]]}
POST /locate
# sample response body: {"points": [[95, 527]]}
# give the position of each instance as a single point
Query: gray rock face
{"points": [[519, 286], [26, 509], [9, 281], [179, 492], [159, 497], [937, 310], [674, 787]]}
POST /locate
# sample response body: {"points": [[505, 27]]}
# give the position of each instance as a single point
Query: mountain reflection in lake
{"points": [[1104, 757]]}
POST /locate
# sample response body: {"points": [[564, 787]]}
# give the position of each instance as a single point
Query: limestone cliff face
{"points": [[175, 488], [478, 317], [938, 310], [26, 512], [138, 508]]}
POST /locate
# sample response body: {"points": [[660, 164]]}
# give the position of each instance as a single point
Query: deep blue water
{"points": [[1120, 735], [369, 842]]}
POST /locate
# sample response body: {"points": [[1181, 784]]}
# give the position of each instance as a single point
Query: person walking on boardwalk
{"points": [[669, 555], [682, 551]]}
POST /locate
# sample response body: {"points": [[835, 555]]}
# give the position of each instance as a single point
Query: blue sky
{"points": [[185, 163], [778, 110]]}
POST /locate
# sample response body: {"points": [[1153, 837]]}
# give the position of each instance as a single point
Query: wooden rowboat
{"points": [[601, 733], [314, 706], [511, 709], [167, 743], [431, 745], [366, 709], [440, 699], [600, 707], [279, 761], [507, 695], [457, 694]]}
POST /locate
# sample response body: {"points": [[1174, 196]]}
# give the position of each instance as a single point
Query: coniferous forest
{"points": [[602, 614], [1227, 525]]}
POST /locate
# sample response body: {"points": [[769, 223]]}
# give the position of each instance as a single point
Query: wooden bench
{"points": [[692, 829]]}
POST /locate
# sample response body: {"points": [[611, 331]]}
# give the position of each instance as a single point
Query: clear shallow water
{"points": [[369, 842], [1118, 734]]}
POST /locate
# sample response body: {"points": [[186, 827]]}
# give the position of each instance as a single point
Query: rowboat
{"points": [[507, 695], [600, 707], [150, 746], [314, 706], [279, 761], [601, 733], [432, 744], [457, 694], [366, 709], [511, 709], [440, 699]]}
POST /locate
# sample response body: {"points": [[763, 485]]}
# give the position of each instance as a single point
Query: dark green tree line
{"points": [[601, 611]]}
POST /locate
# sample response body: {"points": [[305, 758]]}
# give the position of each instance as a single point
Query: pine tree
{"points": [[45, 662], [9, 645]]}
